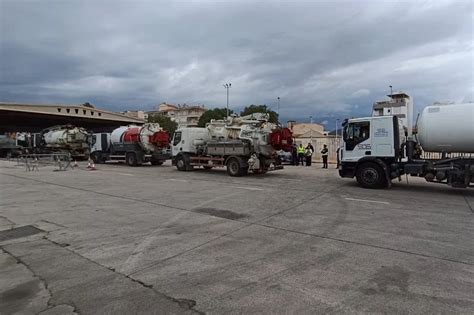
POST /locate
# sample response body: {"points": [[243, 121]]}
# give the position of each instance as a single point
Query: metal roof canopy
{"points": [[35, 117]]}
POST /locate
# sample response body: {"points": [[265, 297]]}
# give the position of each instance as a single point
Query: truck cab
{"points": [[369, 145], [188, 140]]}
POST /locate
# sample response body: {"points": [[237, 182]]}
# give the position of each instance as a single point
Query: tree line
{"points": [[216, 113]]}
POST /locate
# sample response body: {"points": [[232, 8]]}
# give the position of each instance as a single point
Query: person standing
{"points": [[294, 154], [324, 154], [308, 155], [301, 154]]}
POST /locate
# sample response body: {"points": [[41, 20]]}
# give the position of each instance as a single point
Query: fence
{"points": [[32, 162]]}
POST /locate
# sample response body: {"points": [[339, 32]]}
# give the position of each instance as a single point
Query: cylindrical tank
{"points": [[447, 128], [149, 136], [66, 135], [265, 136]]}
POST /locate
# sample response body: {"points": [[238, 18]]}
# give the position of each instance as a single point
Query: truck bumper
{"points": [[162, 156], [347, 169]]}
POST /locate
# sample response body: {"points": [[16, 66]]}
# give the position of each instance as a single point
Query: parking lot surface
{"points": [[301, 240]]}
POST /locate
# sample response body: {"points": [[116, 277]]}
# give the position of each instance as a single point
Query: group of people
{"points": [[303, 155]]}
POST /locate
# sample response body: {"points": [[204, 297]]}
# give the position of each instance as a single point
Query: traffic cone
{"points": [[89, 165], [92, 168]]}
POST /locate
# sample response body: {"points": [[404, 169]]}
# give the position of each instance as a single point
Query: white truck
{"points": [[376, 150], [242, 144], [132, 144], [64, 139]]}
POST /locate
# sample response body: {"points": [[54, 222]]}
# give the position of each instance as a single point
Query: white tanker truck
{"points": [[65, 139], [377, 149], [241, 144], [133, 145]]}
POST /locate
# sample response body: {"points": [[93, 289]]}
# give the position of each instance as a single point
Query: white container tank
{"points": [[447, 128]]}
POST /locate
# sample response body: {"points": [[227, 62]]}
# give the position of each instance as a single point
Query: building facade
{"points": [[184, 115], [317, 136], [397, 105]]}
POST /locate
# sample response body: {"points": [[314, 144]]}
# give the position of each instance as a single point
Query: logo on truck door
{"points": [[381, 132], [364, 146]]}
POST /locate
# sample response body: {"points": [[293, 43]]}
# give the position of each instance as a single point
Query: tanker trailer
{"points": [[376, 149], [133, 145], [447, 128], [66, 139], [241, 144]]}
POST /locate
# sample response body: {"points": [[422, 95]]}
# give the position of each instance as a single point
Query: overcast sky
{"points": [[323, 58]]}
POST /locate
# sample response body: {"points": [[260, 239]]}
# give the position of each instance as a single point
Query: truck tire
{"points": [[131, 159], [183, 162], [234, 167], [180, 164], [371, 175]]}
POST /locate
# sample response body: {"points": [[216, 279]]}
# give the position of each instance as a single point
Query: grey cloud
{"points": [[319, 57]]}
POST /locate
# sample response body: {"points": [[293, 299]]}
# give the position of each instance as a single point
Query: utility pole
{"points": [[311, 128], [227, 87], [391, 91], [278, 98], [337, 143]]}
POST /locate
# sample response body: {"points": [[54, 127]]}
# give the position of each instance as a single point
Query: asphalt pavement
{"points": [[150, 239]]}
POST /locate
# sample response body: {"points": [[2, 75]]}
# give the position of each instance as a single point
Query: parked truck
{"points": [[64, 139], [133, 145], [8, 147], [376, 150], [241, 144]]}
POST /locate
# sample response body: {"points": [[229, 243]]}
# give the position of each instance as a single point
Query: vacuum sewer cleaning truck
{"points": [[242, 144], [376, 150], [133, 145], [65, 139]]}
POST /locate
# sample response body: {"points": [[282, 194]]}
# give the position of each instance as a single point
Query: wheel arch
{"points": [[378, 161]]}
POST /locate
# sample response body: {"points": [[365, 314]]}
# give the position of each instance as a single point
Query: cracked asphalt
{"points": [[152, 240]]}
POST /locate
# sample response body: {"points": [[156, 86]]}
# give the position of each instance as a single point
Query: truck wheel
{"points": [[131, 159], [155, 162], [234, 167], [180, 164], [371, 175], [183, 162]]}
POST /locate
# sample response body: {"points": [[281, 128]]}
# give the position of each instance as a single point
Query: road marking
{"points": [[126, 174], [249, 188], [365, 200], [178, 180]]}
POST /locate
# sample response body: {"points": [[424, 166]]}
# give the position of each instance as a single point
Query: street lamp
{"points": [[227, 87], [337, 143], [278, 98]]}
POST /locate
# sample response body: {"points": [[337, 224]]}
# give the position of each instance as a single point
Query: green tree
{"points": [[165, 122], [216, 113], [251, 109]]}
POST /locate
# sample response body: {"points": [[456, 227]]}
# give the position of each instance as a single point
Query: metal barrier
{"points": [[32, 161]]}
